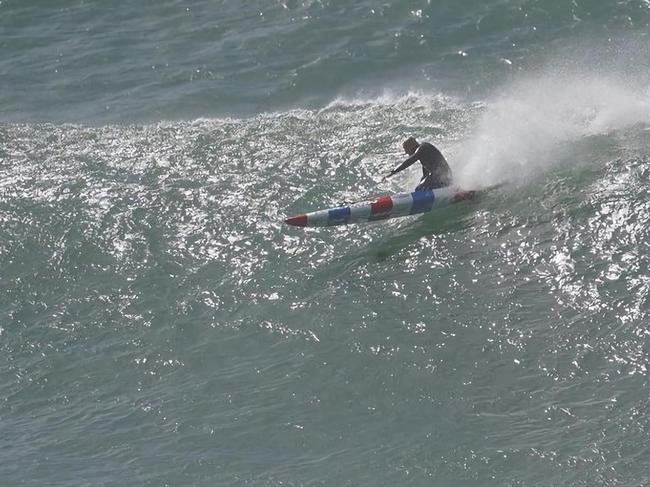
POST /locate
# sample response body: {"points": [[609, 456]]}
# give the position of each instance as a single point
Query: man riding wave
{"points": [[435, 170]]}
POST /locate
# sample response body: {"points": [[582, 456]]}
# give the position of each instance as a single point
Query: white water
{"points": [[531, 125]]}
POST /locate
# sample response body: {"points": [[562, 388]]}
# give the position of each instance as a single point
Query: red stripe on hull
{"points": [[463, 195], [381, 205], [297, 221]]}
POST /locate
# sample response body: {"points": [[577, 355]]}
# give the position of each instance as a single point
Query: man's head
{"points": [[410, 145]]}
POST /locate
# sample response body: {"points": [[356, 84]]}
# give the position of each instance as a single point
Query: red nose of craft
{"points": [[297, 220]]}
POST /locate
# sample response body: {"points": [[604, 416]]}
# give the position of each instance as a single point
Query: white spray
{"points": [[524, 129]]}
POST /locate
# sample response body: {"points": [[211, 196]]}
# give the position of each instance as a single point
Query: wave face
{"points": [[159, 324]]}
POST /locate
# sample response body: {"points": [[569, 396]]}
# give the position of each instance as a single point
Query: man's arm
{"points": [[408, 162]]}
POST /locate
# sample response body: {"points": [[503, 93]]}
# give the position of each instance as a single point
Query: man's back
{"points": [[434, 164]]}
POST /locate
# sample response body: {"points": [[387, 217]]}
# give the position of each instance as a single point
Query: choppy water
{"points": [[159, 325]]}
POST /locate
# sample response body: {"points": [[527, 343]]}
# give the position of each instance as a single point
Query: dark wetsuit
{"points": [[435, 170]]}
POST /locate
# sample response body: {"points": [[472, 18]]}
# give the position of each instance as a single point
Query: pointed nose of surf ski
{"points": [[297, 220]]}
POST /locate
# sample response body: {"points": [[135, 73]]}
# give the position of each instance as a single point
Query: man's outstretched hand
{"points": [[387, 176]]}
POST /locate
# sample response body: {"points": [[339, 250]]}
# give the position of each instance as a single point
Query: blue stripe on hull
{"points": [[338, 214], [422, 201]]}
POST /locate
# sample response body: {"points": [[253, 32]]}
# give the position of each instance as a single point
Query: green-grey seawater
{"points": [[160, 325]]}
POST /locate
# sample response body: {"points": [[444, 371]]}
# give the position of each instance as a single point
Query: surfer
{"points": [[435, 170]]}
